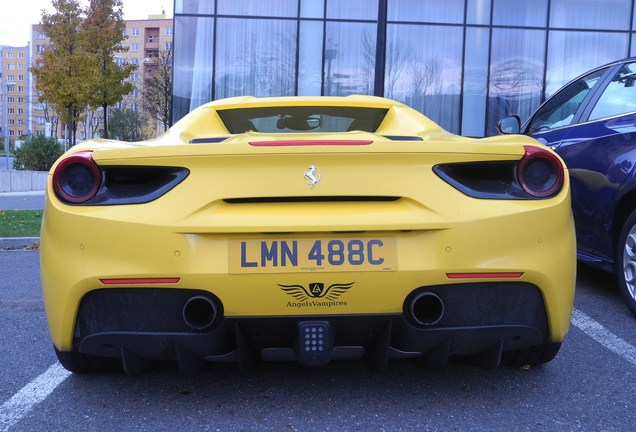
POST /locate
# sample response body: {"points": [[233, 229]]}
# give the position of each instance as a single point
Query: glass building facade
{"points": [[463, 63]]}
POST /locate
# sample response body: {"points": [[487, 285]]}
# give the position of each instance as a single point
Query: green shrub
{"points": [[37, 153]]}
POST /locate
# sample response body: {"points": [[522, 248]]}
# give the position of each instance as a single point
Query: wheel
{"points": [[77, 362], [531, 356], [626, 262]]}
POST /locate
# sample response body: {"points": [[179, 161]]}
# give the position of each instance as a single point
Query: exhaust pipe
{"points": [[199, 312], [426, 308]]}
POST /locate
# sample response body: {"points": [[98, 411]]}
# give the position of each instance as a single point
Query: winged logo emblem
{"points": [[316, 290]]}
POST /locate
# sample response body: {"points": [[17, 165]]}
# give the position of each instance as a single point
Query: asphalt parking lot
{"points": [[589, 387]]}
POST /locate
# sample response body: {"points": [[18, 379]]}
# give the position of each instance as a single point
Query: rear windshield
{"points": [[302, 119]]}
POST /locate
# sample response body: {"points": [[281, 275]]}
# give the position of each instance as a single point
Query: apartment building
{"points": [[145, 39], [14, 87]]}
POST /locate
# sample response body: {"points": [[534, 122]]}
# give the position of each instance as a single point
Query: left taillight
{"points": [[77, 178], [540, 173]]}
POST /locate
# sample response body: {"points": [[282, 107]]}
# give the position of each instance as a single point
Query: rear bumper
{"points": [[142, 324]]}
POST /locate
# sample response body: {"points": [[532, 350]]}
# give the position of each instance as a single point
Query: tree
{"points": [[63, 74], [127, 125], [104, 27], [156, 93]]}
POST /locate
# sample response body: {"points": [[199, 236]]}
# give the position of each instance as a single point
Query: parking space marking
{"points": [[603, 336], [21, 403]]}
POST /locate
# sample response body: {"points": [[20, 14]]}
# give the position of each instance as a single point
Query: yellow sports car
{"points": [[307, 229]]}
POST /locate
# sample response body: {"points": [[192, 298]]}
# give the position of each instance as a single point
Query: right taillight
{"points": [[77, 178], [540, 173]]}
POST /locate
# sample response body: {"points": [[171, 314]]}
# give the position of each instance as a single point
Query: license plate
{"points": [[306, 255]]}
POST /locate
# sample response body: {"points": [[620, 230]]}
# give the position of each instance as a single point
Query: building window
{"points": [[594, 15], [521, 13], [10, 66], [515, 85], [464, 63], [10, 77], [449, 11], [167, 46], [167, 31], [20, 77], [40, 36], [134, 31], [349, 58], [249, 63], [134, 61], [274, 8], [40, 49], [134, 47], [423, 70], [585, 50], [10, 55]]}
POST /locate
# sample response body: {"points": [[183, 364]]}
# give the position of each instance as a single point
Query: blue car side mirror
{"points": [[509, 125]]}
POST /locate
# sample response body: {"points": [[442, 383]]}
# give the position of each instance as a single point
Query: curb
{"points": [[23, 243]]}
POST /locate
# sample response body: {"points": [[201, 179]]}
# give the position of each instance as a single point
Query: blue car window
{"points": [[620, 95], [559, 110]]}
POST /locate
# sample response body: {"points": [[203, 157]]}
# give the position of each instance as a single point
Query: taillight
{"points": [[540, 173], [77, 178]]}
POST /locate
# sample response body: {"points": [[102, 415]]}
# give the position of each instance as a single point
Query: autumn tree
{"points": [[157, 88], [104, 27], [62, 72]]}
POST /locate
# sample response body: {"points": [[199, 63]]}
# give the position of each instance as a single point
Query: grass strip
{"points": [[20, 223]]}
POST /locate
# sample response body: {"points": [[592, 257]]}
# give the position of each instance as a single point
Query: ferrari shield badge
{"points": [[312, 176]]}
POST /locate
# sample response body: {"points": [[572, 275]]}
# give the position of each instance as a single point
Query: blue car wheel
{"points": [[626, 262]]}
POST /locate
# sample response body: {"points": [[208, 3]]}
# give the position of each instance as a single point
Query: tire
{"points": [[531, 356], [77, 362], [625, 262]]}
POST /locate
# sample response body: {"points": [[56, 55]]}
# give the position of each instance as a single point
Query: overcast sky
{"points": [[16, 19]]}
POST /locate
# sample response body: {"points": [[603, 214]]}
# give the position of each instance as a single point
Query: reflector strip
{"points": [[140, 281], [291, 143], [497, 275]]}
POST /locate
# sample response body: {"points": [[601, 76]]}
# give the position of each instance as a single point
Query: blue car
{"points": [[591, 124]]}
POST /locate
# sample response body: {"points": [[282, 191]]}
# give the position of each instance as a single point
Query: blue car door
{"points": [[600, 153], [600, 156]]}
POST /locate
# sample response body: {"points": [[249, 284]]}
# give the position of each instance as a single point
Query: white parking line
{"points": [[21, 403], [603, 336]]}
